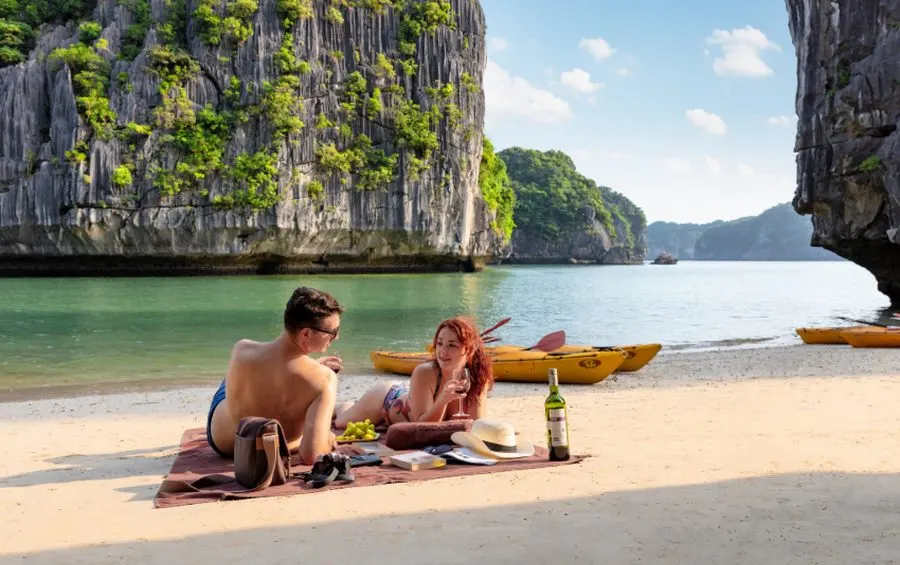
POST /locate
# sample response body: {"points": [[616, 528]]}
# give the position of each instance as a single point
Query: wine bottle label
{"points": [[557, 426]]}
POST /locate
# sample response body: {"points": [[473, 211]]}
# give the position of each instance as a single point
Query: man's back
{"points": [[279, 380], [261, 381]]}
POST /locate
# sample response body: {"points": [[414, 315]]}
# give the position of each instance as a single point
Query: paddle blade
{"points": [[495, 326], [550, 342], [864, 322]]}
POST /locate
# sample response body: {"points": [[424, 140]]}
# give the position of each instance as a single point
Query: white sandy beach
{"points": [[770, 456]]}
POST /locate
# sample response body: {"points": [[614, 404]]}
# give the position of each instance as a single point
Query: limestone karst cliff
{"points": [[848, 146], [242, 135]]}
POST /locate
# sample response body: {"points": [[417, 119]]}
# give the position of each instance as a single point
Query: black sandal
{"points": [[328, 468]]}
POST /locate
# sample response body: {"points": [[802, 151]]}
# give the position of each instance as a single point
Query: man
{"points": [[279, 380]]}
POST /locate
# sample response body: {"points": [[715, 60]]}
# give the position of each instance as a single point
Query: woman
{"points": [[433, 393]]}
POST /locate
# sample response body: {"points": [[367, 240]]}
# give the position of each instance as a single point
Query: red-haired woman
{"points": [[433, 393]]}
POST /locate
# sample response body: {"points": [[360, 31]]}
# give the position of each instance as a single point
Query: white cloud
{"points": [[499, 44], [677, 167], [623, 71], [782, 121], [597, 47], [507, 95], [713, 166], [745, 170], [580, 80], [706, 121], [741, 50]]}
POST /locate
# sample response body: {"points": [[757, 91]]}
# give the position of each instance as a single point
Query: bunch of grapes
{"points": [[358, 430]]}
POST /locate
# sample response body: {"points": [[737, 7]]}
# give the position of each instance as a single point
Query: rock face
{"points": [[563, 217], [665, 259], [848, 147], [231, 135]]}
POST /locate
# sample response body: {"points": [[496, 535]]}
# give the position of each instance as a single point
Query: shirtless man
{"points": [[278, 379]]}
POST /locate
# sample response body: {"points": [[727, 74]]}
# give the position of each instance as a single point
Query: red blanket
{"points": [[196, 459]]}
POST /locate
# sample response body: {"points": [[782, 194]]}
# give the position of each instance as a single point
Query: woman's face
{"points": [[449, 352]]}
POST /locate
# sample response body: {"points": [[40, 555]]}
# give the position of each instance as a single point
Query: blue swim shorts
{"points": [[218, 397]]}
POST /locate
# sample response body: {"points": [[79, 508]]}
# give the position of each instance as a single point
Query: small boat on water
{"points": [[872, 336], [519, 365], [825, 335]]}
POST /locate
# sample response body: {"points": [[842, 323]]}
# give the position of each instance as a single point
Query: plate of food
{"points": [[358, 431]]}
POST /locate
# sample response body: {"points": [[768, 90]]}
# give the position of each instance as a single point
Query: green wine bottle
{"points": [[557, 423]]}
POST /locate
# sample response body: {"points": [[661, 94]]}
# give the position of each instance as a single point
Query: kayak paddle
{"points": [[495, 326], [879, 324], [550, 342]]}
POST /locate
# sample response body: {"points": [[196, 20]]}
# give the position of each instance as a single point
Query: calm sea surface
{"points": [[93, 331]]}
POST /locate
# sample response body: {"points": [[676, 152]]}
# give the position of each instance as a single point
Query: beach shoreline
{"points": [[777, 455], [688, 362]]}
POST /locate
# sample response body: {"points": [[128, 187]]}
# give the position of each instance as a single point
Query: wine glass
{"points": [[464, 386]]}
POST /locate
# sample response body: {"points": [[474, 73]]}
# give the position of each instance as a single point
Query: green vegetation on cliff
{"points": [[554, 201], [497, 190], [189, 148], [21, 19]]}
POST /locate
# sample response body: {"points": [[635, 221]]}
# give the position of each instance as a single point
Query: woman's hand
{"points": [[449, 390]]}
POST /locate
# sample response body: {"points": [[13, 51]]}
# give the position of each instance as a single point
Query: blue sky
{"points": [[687, 108]]}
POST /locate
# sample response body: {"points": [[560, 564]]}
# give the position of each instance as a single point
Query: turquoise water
{"points": [[106, 330]]}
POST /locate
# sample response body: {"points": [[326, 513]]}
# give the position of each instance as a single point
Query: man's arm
{"points": [[317, 437]]}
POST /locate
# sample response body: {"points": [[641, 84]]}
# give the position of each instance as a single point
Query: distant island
{"points": [[561, 216], [778, 234]]}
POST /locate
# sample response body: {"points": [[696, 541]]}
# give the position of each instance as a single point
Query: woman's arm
{"points": [[422, 405], [478, 408]]}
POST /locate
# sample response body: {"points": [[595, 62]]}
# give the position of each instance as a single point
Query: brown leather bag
{"points": [[261, 459], [261, 455]]}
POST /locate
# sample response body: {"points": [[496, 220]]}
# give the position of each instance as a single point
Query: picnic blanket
{"points": [[196, 458]]}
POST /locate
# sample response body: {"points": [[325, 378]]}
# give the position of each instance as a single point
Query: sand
{"points": [[769, 456]]}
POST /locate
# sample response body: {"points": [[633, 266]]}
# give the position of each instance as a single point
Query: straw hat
{"points": [[495, 439]]}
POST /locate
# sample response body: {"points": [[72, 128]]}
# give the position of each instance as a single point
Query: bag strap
{"points": [[170, 486], [270, 445]]}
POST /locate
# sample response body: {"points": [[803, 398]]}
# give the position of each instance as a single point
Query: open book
{"points": [[466, 455]]}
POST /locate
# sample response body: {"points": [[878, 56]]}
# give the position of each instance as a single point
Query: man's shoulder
{"points": [[313, 373], [244, 348]]}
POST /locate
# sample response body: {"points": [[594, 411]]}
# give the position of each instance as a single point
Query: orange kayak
{"points": [[825, 335], [872, 337]]}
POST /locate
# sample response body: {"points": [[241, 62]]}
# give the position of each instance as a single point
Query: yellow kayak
{"points": [[636, 356], [825, 335], [872, 336], [588, 367]]}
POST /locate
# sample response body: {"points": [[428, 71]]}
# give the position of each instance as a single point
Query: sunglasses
{"points": [[333, 333]]}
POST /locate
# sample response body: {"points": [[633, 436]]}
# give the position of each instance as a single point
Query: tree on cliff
{"points": [[497, 190]]}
